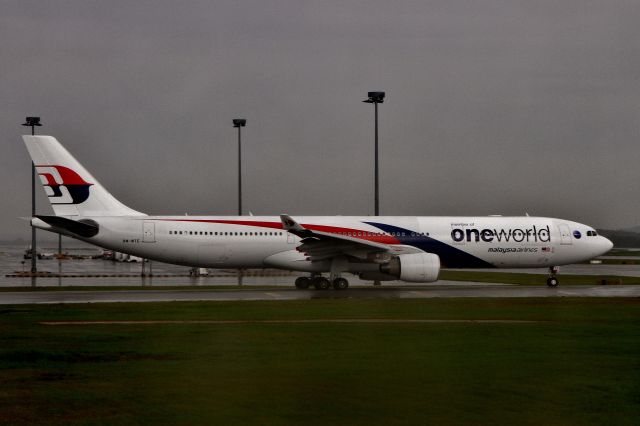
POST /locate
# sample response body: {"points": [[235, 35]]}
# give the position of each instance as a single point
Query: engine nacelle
{"points": [[414, 267]]}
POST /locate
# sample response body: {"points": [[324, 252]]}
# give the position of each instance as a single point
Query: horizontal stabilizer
{"points": [[85, 228]]}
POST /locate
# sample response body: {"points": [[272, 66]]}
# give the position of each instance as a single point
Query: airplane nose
{"points": [[606, 244]]}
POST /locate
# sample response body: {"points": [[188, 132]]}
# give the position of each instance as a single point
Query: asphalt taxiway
{"points": [[441, 290]]}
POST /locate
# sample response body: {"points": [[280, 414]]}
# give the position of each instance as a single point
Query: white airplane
{"points": [[376, 248]]}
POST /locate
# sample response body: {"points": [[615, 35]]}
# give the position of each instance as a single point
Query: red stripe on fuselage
{"points": [[349, 232], [376, 237], [273, 225]]}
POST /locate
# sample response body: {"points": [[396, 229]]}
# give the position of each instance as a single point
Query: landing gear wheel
{"points": [[552, 281], [303, 283], [340, 284], [321, 283]]}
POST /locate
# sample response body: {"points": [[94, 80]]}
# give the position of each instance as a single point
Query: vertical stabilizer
{"points": [[71, 189]]}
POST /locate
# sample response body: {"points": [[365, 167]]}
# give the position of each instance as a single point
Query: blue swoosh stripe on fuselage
{"points": [[450, 257]]}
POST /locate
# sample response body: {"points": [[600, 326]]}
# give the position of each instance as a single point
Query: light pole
{"points": [[239, 123], [33, 122], [376, 98]]}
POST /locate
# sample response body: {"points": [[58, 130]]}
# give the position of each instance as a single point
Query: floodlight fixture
{"points": [[374, 98], [32, 122]]}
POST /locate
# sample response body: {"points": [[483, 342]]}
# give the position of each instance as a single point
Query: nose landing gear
{"points": [[552, 281]]}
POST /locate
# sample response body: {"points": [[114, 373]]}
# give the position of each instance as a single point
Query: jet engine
{"points": [[414, 267]]}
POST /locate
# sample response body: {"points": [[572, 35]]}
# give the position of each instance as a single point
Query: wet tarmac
{"points": [[280, 283], [130, 274], [440, 290]]}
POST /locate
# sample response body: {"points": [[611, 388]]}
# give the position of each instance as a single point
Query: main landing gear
{"points": [[552, 281], [321, 283]]}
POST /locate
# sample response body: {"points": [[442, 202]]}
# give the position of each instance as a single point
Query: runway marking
{"points": [[301, 321]]}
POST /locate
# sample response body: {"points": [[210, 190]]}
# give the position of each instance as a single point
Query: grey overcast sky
{"points": [[493, 107]]}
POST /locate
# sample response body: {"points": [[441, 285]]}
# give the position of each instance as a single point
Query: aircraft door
{"points": [[565, 234], [148, 232], [290, 238]]}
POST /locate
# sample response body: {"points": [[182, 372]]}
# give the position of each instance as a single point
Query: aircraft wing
{"points": [[319, 245]]}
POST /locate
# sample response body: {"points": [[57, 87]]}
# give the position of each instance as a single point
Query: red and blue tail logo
{"points": [[63, 185]]}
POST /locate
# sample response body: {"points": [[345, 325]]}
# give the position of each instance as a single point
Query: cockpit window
{"points": [[592, 234]]}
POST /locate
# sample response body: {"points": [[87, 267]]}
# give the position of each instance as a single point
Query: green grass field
{"points": [[577, 361]]}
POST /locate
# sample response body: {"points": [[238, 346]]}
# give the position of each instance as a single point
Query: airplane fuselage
{"points": [[260, 241]]}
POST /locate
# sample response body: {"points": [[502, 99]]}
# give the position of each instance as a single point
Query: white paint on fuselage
{"points": [[204, 241]]}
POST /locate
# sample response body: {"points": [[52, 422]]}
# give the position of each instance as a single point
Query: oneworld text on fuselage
{"points": [[533, 234]]}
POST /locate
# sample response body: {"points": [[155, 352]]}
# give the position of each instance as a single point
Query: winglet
{"points": [[290, 225]]}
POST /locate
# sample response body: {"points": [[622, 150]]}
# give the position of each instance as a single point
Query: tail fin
{"points": [[71, 189]]}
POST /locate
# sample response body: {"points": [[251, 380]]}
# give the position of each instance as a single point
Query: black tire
{"points": [[303, 283], [321, 283], [340, 284], [552, 282]]}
